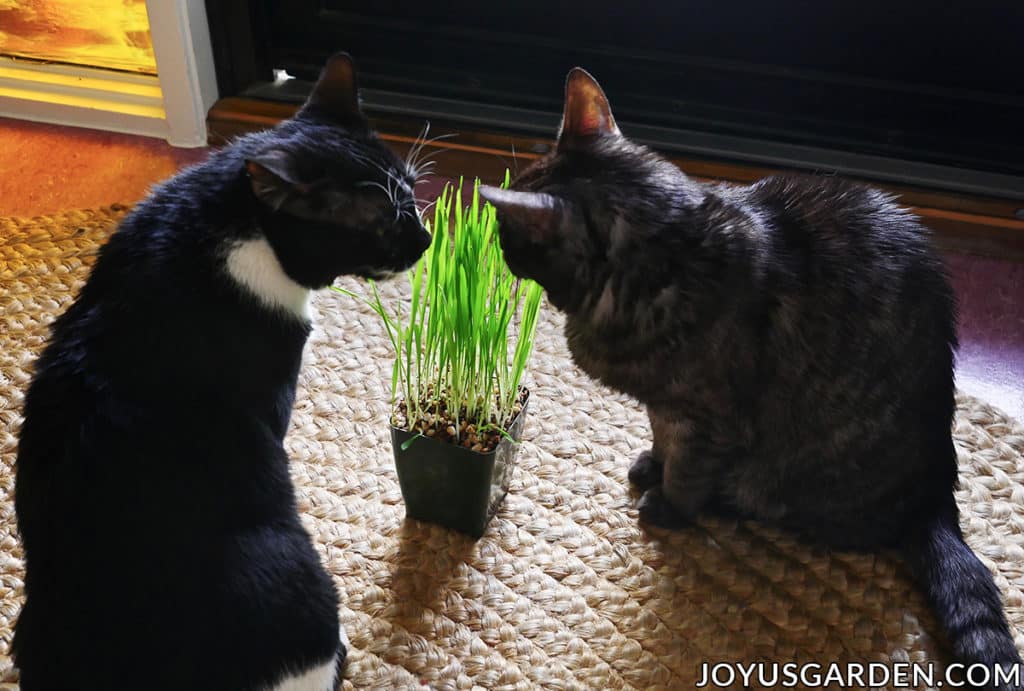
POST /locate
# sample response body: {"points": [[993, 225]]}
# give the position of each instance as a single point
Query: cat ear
{"points": [[272, 177], [271, 164], [537, 214], [587, 114], [336, 93]]}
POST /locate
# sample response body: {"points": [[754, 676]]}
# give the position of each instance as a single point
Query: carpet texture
{"points": [[565, 591]]}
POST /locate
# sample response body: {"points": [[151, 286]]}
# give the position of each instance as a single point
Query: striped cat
{"points": [[792, 341]]}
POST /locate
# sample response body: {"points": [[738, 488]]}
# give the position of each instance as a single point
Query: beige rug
{"points": [[564, 591]]}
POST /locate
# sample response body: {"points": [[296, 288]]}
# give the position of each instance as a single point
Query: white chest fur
{"points": [[253, 264], [319, 678]]}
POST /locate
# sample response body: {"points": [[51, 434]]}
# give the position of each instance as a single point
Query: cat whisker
{"points": [[393, 185], [371, 183], [359, 157], [426, 168], [429, 157], [440, 137], [417, 146], [432, 156], [416, 159], [413, 158], [424, 177], [426, 208], [514, 167]]}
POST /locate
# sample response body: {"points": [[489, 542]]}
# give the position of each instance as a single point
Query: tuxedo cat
{"points": [[792, 341], [163, 547]]}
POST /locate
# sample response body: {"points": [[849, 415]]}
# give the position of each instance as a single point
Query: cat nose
{"points": [[422, 239]]}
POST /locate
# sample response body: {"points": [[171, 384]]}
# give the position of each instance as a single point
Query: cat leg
{"points": [[689, 486], [689, 477], [655, 509], [677, 500], [342, 651], [645, 472]]}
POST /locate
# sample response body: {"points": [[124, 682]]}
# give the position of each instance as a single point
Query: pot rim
{"points": [[504, 438]]}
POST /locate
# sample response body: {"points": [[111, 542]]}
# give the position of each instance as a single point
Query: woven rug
{"points": [[565, 591]]}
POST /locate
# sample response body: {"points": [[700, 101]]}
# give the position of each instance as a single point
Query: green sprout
{"points": [[462, 343]]}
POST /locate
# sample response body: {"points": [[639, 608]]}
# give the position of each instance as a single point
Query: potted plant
{"points": [[461, 347]]}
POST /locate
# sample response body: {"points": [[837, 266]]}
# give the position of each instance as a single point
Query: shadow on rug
{"points": [[564, 590]]}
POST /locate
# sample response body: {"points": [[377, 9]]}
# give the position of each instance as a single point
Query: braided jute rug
{"points": [[565, 591]]}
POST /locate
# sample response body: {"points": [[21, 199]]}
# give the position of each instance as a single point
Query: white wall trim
{"points": [[82, 97], [184, 59]]}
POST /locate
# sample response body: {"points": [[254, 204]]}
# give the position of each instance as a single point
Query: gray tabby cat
{"points": [[792, 341]]}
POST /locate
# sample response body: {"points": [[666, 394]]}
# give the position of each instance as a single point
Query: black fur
{"points": [[162, 542], [792, 341]]}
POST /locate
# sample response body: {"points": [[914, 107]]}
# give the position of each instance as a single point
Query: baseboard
{"points": [[971, 224], [82, 97]]}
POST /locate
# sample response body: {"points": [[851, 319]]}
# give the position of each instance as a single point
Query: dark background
{"points": [[932, 92]]}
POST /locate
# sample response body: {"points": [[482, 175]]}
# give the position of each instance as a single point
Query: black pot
{"points": [[450, 485]]}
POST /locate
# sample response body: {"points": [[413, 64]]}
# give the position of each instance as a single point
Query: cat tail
{"points": [[965, 599]]}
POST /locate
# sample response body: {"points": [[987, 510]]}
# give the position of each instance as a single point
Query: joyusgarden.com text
{"points": [[852, 675]]}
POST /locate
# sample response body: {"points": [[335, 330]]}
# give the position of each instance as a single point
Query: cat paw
{"points": [[646, 470], [655, 509], [342, 658]]}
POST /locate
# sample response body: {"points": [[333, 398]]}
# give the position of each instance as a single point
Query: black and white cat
{"points": [[162, 542]]}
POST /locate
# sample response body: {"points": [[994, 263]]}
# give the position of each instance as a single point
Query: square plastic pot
{"points": [[452, 486]]}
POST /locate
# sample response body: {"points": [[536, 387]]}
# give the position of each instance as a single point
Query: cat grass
{"points": [[463, 339]]}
